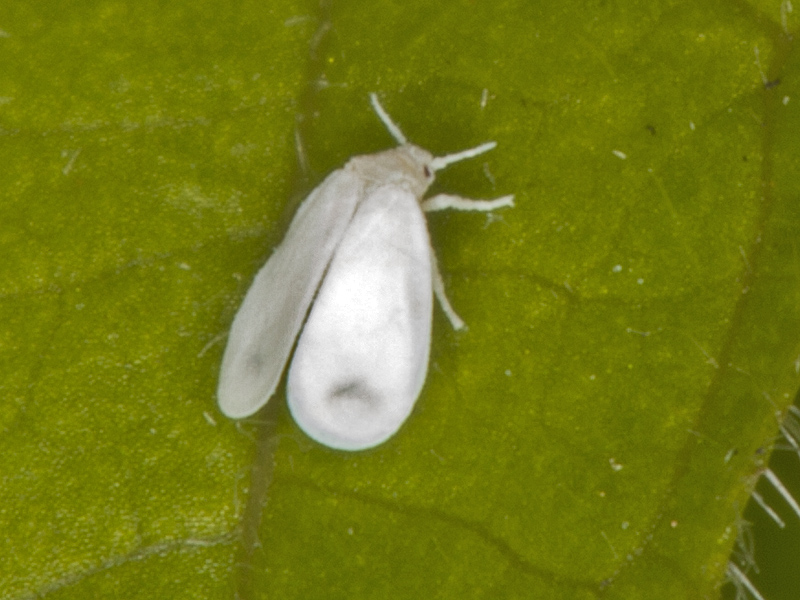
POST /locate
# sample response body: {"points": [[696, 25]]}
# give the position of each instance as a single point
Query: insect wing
{"points": [[362, 356], [271, 315]]}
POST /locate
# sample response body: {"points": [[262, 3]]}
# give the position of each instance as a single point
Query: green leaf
{"points": [[633, 322], [138, 144]]}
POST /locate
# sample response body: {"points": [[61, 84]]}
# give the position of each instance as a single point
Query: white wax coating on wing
{"points": [[361, 359], [272, 313]]}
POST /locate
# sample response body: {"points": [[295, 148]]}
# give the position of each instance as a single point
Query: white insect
{"points": [[360, 243]]}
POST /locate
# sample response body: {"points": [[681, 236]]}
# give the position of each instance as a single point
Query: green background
{"points": [[634, 322]]}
